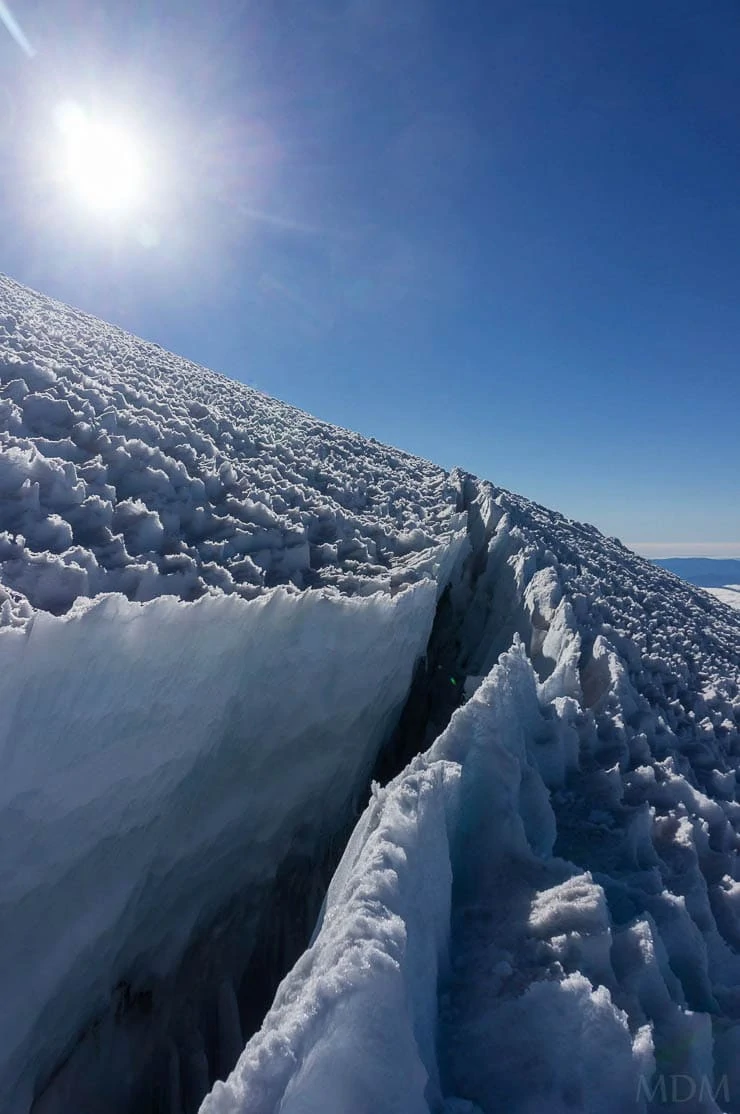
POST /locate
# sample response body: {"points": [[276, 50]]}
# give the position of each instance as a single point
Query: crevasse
{"points": [[219, 620]]}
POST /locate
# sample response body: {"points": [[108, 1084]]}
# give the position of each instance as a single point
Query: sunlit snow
{"points": [[220, 619]]}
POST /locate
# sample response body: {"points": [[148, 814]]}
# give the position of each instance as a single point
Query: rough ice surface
{"points": [[354, 1026], [541, 911], [126, 469]]}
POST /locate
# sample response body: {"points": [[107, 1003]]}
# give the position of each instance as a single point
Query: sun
{"points": [[98, 161]]}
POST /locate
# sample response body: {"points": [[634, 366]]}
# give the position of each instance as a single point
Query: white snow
{"points": [[353, 1026], [540, 912], [126, 469]]}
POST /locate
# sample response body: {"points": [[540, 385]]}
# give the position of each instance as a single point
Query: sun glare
{"points": [[98, 162]]}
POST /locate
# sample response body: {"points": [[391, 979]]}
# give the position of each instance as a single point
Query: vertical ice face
{"points": [[441, 959], [354, 1025], [161, 758]]}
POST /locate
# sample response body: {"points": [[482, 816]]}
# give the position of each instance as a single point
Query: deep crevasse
{"points": [[551, 868], [162, 775]]}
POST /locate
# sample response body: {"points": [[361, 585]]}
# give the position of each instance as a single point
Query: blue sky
{"points": [[500, 235]]}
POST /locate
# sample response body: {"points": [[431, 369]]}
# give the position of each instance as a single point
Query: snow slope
{"points": [[125, 469], [539, 912]]}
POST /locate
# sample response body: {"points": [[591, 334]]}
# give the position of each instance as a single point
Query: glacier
{"points": [[335, 781]]}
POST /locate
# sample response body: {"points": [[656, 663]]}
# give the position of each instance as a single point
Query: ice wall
{"points": [[179, 759], [158, 759], [353, 1027]]}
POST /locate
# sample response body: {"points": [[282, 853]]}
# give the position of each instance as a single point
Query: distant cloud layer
{"points": [[686, 549]]}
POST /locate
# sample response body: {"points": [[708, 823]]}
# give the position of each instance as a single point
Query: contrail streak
{"points": [[14, 29], [279, 222]]}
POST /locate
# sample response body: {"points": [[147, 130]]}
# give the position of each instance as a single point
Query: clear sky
{"points": [[500, 235]]}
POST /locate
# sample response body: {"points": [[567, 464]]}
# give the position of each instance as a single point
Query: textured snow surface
{"points": [[126, 469], [541, 912], [354, 1026]]}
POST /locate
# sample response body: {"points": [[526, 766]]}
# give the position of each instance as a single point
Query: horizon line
{"points": [[686, 549]]}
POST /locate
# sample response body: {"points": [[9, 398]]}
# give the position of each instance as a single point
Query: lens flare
{"points": [[98, 161]]}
